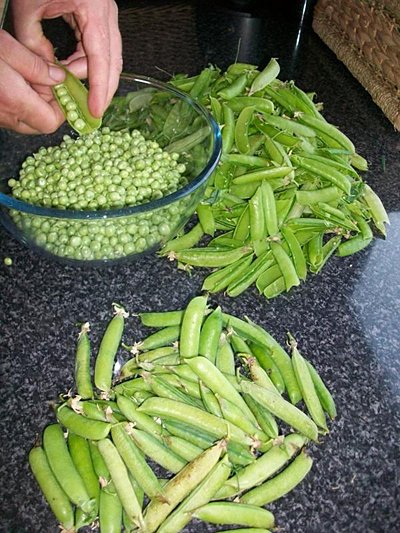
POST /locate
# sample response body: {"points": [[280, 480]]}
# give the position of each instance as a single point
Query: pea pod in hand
{"points": [[72, 97]]}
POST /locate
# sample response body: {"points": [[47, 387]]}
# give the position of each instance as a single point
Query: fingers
{"points": [[101, 43], [22, 108], [30, 66]]}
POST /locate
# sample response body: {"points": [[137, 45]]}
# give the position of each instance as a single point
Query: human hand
{"points": [[26, 101], [98, 55]]}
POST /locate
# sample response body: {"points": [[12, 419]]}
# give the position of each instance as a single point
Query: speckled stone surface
{"points": [[346, 319]]}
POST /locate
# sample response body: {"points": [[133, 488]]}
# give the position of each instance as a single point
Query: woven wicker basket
{"points": [[365, 36]]}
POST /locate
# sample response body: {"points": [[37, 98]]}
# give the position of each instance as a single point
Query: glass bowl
{"points": [[97, 237]]}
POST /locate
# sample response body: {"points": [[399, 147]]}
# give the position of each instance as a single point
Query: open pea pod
{"points": [[72, 97]]}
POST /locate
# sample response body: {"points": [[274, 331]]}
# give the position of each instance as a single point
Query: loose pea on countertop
{"points": [[215, 424]]}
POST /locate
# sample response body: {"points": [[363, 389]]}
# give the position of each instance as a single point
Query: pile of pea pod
{"points": [[208, 418], [287, 193]]}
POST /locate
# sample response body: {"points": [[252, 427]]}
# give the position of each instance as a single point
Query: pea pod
{"points": [[50, 487], [180, 486], [282, 409], [265, 77], [209, 335], [72, 97], [201, 495], [281, 484], [109, 345], [110, 510], [235, 513], [121, 481], [61, 464], [161, 319], [205, 257], [242, 129], [189, 338], [82, 364], [79, 450], [82, 426]]}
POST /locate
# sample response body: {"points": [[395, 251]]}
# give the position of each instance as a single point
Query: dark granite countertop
{"points": [[346, 319]]}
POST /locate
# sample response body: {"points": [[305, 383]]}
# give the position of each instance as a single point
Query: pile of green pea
{"points": [[209, 418], [287, 194], [103, 170]]}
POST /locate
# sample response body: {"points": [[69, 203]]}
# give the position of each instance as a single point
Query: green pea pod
{"points": [[161, 319], [281, 484], [265, 419], [82, 364], [324, 395], [206, 218], [289, 125], [51, 489], [286, 265], [265, 77], [201, 495], [72, 97], [181, 486], [260, 175], [242, 129], [225, 358], [322, 126], [61, 464], [251, 273], [228, 130], [134, 460], [275, 288], [334, 176], [282, 409], [235, 88], [187, 240], [257, 216], [121, 481], [377, 209], [103, 370], [261, 105], [207, 257], [210, 333], [110, 510], [189, 338], [81, 457], [264, 467], [307, 388], [82, 426], [296, 252], [220, 279], [235, 513]]}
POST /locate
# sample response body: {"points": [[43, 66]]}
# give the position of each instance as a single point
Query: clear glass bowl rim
{"points": [[20, 205]]}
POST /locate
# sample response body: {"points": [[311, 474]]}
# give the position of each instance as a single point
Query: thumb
{"points": [[30, 66]]}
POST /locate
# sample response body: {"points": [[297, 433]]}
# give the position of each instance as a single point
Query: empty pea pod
{"points": [[216, 109], [242, 229], [50, 487], [235, 69], [109, 345], [160, 338], [250, 274], [161, 319], [210, 401], [269, 207], [228, 129], [296, 252], [82, 364], [326, 194], [235, 513], [84, 427], [334, 176], [207, 257], [206, 218], [352, 245], [275, 288], [261, 105], [72, 97], [265, 77], [235, 88], [281, 484], [286, 265], [187, 240], [220, 279], [246, 160], [242, 129], [263, 174], [257, 216], [288, 125], [59, 458]]}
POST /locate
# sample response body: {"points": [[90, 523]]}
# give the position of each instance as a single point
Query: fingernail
{"points": [[56, 73]]}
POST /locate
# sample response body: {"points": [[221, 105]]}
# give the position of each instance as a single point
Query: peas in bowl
{"points": [[118, 192]]}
